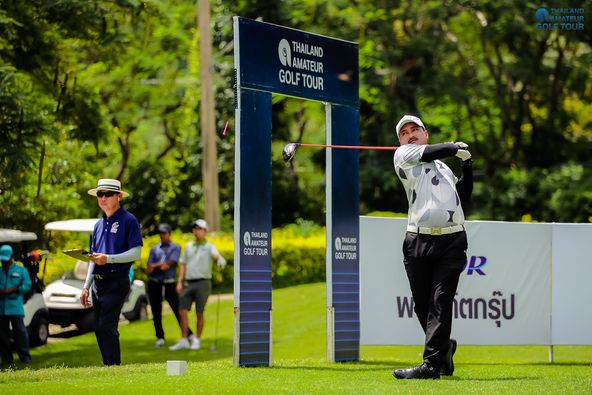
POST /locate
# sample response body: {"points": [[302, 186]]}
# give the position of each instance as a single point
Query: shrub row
{"points": [[296, 258]]}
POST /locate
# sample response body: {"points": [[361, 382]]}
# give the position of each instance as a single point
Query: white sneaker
{"points": [[182, 344], [195, 344], [159, 343]]}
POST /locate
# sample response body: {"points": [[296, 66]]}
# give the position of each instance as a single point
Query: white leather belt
{"points": [[435, 231]]}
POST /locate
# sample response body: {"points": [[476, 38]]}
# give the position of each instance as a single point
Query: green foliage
{"points": [[111, 89], [560, 194]]}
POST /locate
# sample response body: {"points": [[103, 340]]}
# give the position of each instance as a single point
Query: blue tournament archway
{"points": [[274, 59]]}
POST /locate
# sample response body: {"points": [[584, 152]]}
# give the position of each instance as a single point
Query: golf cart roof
{"points": [[73, 225], [12, 235]]}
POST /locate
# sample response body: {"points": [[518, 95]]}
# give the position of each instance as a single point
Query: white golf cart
{"points": [[36, 314], [62, 296]]}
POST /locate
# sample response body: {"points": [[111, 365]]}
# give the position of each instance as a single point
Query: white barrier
{"points": [[504, 295], [572, 291]]}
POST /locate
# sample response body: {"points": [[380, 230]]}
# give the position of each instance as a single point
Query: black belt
{"points": [[194, 280]]}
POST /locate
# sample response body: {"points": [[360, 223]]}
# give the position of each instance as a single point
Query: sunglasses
{"points": [[100, 194]]}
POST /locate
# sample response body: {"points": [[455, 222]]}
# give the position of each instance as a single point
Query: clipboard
{"points": [[79, 254]]}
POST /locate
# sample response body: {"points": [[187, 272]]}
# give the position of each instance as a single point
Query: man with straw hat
{"points": [[116, 244]]}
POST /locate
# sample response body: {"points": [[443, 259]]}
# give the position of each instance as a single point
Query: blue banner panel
{"points": [[295, 63], [345, 233], [255, 228]]}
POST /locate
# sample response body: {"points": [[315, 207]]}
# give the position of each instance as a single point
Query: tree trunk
{"points": [[208, 133]]}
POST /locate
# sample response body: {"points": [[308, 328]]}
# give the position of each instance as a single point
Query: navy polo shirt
{"points": [[114, 235], [162, 253]]}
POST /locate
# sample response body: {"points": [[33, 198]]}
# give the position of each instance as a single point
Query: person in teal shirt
{"points": [[14, 284]]}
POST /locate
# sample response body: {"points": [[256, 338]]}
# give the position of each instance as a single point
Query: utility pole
{"points": [[207, 120]]}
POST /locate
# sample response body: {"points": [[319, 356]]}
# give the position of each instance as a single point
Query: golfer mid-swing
{"points": [[435, 244]]}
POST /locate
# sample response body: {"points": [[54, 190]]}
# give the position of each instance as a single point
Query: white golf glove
{"points": [[463, 154]]}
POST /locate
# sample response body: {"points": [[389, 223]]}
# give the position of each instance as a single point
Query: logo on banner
{"points": [[346, 248], [495, 308], [304, 64], [285, 53], [256, 243], [475, 265]]}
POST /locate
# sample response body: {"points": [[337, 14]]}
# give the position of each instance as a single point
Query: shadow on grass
{"points": [[349, 366], [550, 364], [486, 379], [67, 334], [379, 365], [86, 353], [388, 366]]}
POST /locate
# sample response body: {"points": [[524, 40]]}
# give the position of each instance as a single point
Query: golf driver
{"points": [[290, 148]]}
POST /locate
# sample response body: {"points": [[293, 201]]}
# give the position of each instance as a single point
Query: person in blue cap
{"points": [[116, 244], [14, 284]]}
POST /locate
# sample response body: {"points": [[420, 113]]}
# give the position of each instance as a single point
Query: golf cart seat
{"points": [[80, 270]]}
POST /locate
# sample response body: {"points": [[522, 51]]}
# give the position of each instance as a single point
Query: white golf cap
{"points": [[201, 224], [408, 119]]}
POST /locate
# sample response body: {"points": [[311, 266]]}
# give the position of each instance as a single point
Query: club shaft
{"points": [[358, 147]]}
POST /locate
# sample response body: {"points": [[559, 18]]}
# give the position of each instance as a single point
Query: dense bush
{"points": [[298, 256]]}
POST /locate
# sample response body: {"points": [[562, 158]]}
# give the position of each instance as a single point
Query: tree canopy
{"points": [[97, 89]]}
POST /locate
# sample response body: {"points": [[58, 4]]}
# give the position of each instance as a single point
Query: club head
{"points": [[213, 348], [289, 151]]}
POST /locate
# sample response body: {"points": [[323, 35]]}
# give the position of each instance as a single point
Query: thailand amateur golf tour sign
{"points": [[346, 248], [256, 243], [304, 68], [295, 63], [271, 59]]}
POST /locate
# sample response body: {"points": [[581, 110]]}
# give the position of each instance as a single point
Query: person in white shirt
{"points": [[194, 284], [435, 244]]}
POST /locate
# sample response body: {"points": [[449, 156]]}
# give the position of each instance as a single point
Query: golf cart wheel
{"points": [[38, 331], [143, 314], [140, 312], [86, 323]]}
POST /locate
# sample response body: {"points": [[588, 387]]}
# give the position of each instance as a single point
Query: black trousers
{"points": [[157, 291], [109, 294], [21, 339], [433, 265]]}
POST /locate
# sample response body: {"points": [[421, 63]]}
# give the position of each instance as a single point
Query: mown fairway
{"points": [[72, 365]]}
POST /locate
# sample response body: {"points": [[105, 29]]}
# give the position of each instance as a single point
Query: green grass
{"points": [[299, 365]]}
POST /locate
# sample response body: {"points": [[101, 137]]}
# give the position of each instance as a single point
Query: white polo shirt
{"points": [[430, 187], [197, 259]]}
